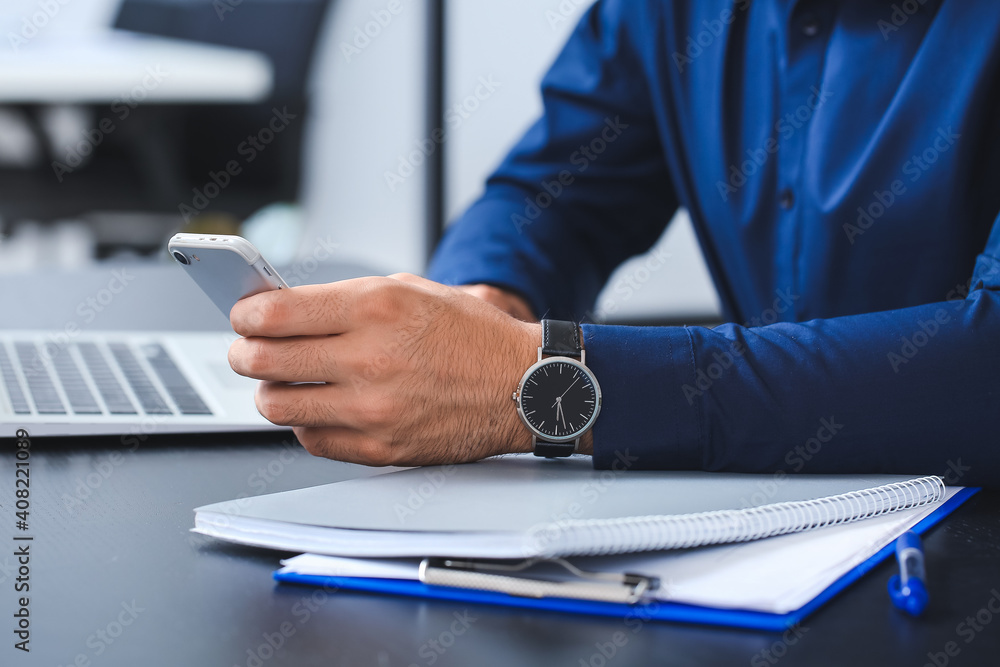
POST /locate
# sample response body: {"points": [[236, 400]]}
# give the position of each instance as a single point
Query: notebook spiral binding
{"points": [[597, 537]]}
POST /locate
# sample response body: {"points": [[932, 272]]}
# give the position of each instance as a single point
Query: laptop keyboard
{"points": [[115, 398], [150, 399], [40, 385], [17, 400], [81, 401], [184, 395], [80, 368]]}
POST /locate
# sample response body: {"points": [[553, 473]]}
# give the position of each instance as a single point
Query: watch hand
{"points": [[570, 386]]}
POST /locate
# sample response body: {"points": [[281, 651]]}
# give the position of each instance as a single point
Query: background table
{"points": [[111, 529], [105, 66]]}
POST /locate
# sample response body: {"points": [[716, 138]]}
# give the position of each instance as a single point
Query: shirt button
{"points": [[810, 27], [786, 199]]}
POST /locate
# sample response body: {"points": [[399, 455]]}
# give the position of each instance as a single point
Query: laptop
{"points": [[117, 383]]}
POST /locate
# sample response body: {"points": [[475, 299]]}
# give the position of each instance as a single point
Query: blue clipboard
{"points": [[653, 610]]}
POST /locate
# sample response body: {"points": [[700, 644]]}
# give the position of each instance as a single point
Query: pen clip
{"points": [[502, 577]]}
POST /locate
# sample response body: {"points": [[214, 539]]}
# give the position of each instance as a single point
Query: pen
{"points": [[908, 589]]}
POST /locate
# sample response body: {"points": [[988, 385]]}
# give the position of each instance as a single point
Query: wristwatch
{"points": [[558, 398]]}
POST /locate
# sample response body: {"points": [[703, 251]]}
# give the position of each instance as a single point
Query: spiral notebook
{"points": [[377, 534], [524, 507]]}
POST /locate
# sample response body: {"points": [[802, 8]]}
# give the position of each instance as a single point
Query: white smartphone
{"points": [[226, 268]]}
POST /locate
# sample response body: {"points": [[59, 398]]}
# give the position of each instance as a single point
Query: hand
{"points": [[508, 302], [413, 372]]}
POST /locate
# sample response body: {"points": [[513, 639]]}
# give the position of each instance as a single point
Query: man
{"points": [[840, 162]]}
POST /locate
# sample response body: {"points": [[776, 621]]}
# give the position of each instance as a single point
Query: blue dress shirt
{"points": [[841, 164]]}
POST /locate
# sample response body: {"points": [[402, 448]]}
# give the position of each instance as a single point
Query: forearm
{"points": [[906, 391], [586, 187]]}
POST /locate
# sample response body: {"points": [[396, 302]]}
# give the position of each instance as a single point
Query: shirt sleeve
{"points": [[909, 391], [585, 188]]}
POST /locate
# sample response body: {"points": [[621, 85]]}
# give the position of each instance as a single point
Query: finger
{"points": [[302, 311], [344, 444], [295, 359], [354, 405], [299, 404]]}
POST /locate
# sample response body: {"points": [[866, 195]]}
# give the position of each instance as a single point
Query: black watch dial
{"points": [[559, 399]]}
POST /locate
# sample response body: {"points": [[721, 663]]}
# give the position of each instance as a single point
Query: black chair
{"points": [[155, 157], [203, 138]]}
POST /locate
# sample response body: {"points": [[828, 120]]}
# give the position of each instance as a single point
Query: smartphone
{"points": [[226, 268]]}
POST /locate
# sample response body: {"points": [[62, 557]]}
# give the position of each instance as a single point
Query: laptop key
{"points": [[149, 398], [40, 385], [115, 398], [185, 396], [81, 400], [18, 402]]}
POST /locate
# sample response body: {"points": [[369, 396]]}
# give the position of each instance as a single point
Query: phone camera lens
{"points": [[181, 257]]}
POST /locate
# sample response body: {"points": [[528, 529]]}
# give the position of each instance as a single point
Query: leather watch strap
{"points": [[554, 450], [561, 338]]}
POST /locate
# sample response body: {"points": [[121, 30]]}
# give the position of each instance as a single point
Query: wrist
{"points": [[524, 354]]}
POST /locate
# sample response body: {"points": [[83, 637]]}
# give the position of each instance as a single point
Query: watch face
{"points": [[559, 399]]}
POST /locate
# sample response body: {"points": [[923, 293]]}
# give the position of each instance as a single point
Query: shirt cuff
{"points": [[646, 421]]}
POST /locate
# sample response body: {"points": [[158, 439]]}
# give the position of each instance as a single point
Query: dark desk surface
{"points": [[111, 544]]}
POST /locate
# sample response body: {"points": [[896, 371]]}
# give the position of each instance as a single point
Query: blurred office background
{"points": [[305, 125]]}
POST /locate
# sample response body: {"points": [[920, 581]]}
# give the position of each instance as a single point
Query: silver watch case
{"points": [[579, 363]]}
